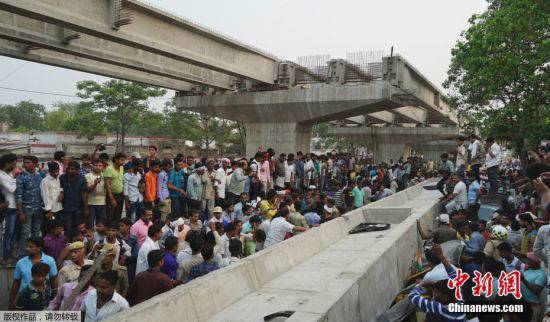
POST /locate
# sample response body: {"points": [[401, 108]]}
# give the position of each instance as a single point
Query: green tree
{"points": [[499, 74], [55, 120], [85, 120], [121, 101], [150, 123], [203, 129], [23, 116]]}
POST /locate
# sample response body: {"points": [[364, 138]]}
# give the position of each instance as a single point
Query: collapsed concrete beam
{"points": [[179, 39], [43, 35], [44, 56]]}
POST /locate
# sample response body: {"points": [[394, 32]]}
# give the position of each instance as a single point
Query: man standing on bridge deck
{"points": [[492, 162], [477, 155], [461, 156]]}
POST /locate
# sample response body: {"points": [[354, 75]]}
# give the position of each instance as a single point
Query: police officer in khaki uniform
{"points": [[108, 264], [70, 271]]}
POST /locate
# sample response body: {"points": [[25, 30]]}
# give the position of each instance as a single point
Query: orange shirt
{"points": [[150, 187]]}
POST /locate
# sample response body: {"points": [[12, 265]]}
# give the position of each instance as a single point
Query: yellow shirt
{"points": [[96, 197], [460, 237], [268, 209]]}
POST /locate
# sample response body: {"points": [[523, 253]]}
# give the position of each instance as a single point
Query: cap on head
{"points": [[218, 210], [443, 218], [76, 246]]}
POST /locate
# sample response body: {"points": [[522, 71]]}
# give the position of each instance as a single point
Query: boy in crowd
{"points": [[36, 295], [22, 274]]}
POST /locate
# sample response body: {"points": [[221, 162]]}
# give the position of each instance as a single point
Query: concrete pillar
{"points": [[282, 137], [383, 152], [433, 150]]}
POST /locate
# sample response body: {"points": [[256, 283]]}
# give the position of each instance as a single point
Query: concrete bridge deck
{"points": [[322, 275]]}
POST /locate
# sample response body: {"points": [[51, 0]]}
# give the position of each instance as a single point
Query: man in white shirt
{"points": [[96, 194], [7, 188], [367, 193], [154, 234], [477, 154], [221, 178], [278, 228], [230, 232], [103, 301], [235, 253], [133, 198], [290, 171], [459, 198], [308, 169], [50, 189], [461, 155], [492, 161]]}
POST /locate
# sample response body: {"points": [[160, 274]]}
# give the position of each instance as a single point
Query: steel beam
{"points": [[43, 35], [16, 50], [154, 31]]}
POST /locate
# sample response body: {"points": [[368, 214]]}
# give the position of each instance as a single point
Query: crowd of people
{"points": [[515, 237], [154, 223], [150, 224]]}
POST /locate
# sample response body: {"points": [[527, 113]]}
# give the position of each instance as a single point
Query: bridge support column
{"points": [[433, 150], [383, 152], [282, 137]]}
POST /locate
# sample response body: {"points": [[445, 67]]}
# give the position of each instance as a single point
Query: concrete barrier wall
{"points": [[202, 298], [379, 281]]}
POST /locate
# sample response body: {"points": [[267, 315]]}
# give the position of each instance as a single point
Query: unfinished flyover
{"points": [[278, 101], [324, 274]]}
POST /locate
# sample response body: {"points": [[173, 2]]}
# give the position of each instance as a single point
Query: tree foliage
{"points": [[122, 102], [85, 120], [324, 140], [499, 74], [23, 116], [204, 129], [121, 107]]}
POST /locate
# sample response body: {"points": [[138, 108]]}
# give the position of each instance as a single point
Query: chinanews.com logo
{"points": [[485, 308], [508, 284]]}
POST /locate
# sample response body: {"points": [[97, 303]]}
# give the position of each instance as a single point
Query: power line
{"points": [[64, 95], [37, 92], [13, 71]]}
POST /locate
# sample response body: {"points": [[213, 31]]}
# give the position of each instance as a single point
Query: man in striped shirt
{"points": [[437, 309], [338, 195]]}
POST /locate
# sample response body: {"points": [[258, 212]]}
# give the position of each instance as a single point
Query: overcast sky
{"points": [[422, 31]]}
